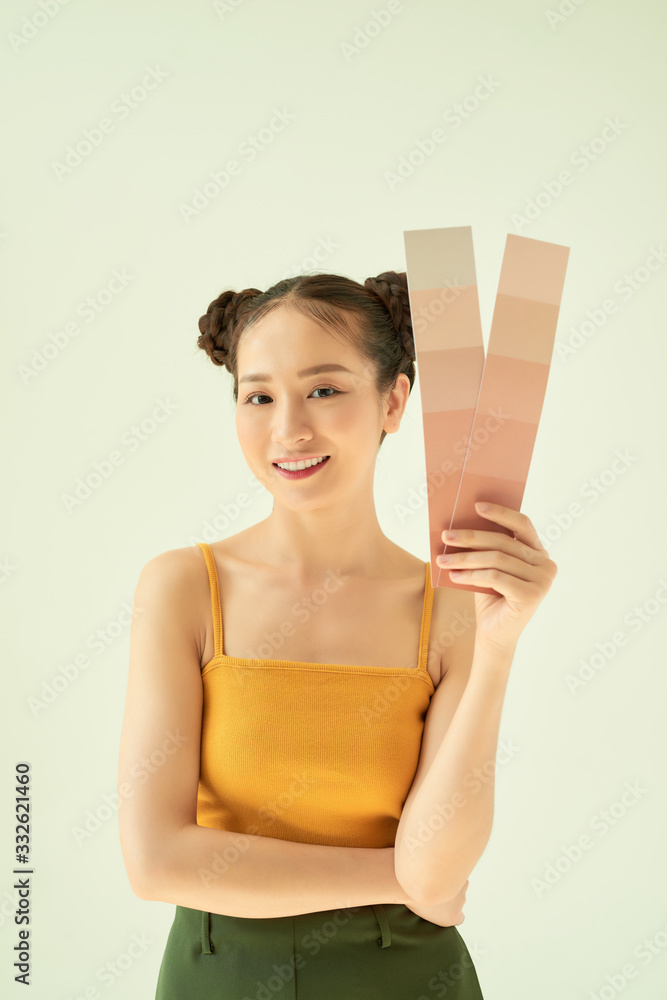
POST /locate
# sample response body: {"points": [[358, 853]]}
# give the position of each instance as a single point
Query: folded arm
{"points": [[167, 856], [447, 817]]}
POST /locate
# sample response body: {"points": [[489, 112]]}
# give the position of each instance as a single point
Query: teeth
{"points": [[295, 466]]}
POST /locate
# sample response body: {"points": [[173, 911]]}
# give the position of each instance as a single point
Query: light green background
{"points": [[323, 181]]}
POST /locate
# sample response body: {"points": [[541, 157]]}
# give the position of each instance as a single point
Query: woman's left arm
{"points": [[447, 817]]}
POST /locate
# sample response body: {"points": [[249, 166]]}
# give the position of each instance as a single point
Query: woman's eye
{"points": [[320, 388]]}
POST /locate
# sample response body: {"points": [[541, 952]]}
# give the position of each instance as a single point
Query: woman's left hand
{"points": [[518, 568]]}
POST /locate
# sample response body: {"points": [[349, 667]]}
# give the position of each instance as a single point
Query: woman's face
{"points": [[283, 415]]}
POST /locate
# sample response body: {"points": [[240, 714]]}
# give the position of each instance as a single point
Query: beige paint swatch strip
{"points": [[447, 327], [480, 418]]}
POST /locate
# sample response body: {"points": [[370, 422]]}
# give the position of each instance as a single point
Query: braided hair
{"points": [[382, 333]]}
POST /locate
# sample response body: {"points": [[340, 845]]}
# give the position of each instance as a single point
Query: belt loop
{"points": [[205, 933], [385, 941]]}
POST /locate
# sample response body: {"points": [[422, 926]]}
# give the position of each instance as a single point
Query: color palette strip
{"points": [[480, 418], [447, 326]]}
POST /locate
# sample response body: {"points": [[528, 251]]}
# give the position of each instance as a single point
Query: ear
{"points": [[395, 403]]}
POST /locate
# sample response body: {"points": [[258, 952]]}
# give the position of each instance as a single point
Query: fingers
{"points": [[519, 523], [473, 538], [494, 562]]}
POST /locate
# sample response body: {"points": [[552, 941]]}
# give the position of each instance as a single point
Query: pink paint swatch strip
{"points": [[480, 417]]}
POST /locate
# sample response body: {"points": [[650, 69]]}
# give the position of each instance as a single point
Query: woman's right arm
{"points": [[168, 857]]}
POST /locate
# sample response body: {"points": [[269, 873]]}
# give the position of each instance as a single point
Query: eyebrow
{"points": [[315, 370]]}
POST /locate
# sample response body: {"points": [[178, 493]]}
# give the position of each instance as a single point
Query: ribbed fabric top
{"points": [[319, 753]]}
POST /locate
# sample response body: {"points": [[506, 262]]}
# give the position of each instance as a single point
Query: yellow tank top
{"points": [[319, 753]]}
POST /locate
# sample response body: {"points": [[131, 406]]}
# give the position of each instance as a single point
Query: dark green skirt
{"points": [[380, 952]]}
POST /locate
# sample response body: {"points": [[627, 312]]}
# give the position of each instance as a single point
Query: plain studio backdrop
{"points": [[124, 216]]}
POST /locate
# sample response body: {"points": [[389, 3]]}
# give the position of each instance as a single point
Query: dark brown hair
{"points": [[382, 333]]}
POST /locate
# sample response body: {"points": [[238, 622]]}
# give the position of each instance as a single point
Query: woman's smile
{"points": [[294, 472]]}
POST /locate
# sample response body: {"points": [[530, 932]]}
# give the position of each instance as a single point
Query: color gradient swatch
{"points": [[480, 417]]}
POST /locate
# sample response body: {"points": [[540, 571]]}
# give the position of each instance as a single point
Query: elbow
{"points": [[431, 890], [140, 889], [143, 870], [429, 893], [151, 863], [434, 894], [431, 879], [143, 882]]}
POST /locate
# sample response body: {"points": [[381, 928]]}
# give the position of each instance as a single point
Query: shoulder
{"points": [[172, 596], [453, 620], [176, 581], [173, 566], [401, 563], [186, 567], [453, 610]]}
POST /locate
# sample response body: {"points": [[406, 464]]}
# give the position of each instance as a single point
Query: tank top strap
{"points": [[426, 620], [216, 607]]}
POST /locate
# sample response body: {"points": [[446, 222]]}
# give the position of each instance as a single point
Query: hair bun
{"points": [[391, 287], [217, 323]]}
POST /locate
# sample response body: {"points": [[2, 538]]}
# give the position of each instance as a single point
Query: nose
{"points": [[290, 423]]}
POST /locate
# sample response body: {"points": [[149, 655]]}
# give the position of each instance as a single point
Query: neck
{"points": [[346, 538]]}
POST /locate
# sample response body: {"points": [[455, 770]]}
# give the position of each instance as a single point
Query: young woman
{"points": [[306, 765]]}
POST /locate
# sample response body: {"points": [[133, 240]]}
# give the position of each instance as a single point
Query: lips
{"points": [[314, 460], [301, 473]]}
